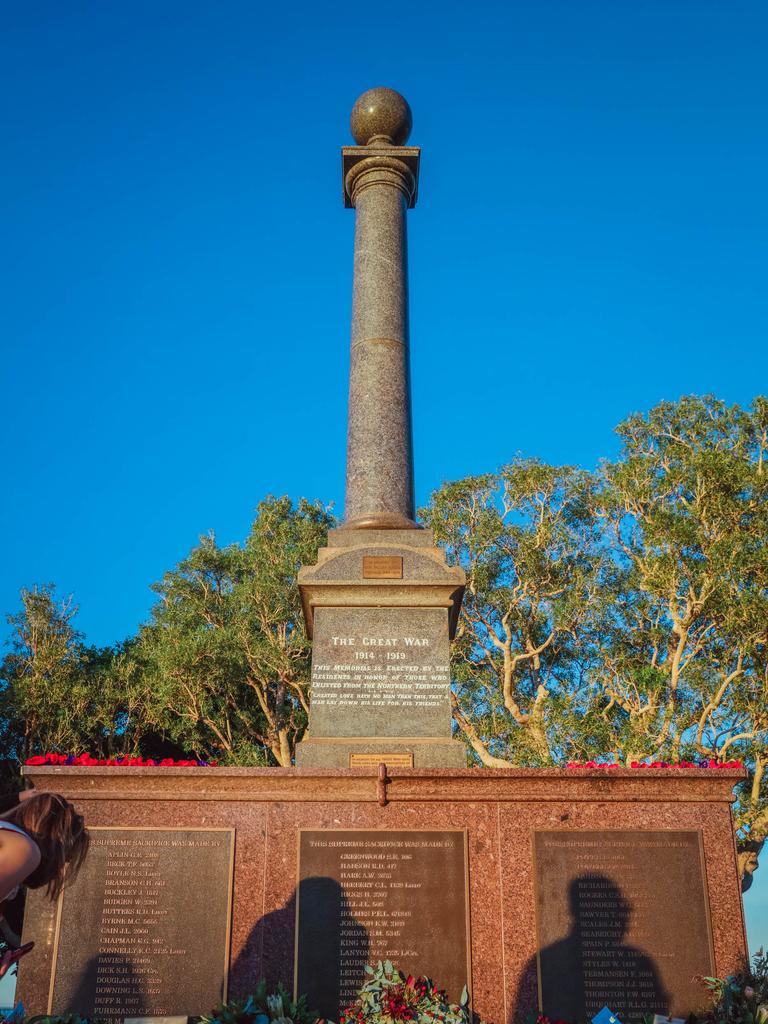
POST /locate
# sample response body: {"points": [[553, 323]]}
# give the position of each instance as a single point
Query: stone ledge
{"points": [[406, 785]]}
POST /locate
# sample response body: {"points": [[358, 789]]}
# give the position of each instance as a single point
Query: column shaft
{"points": [[379, 486]]}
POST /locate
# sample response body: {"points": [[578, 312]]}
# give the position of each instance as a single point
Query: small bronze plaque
{"points": [[622, 921], [382, 567], [365, 896], [133, 937], [402, 759]]}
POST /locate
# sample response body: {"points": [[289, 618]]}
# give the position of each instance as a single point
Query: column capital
{"points": [[386, 165]]}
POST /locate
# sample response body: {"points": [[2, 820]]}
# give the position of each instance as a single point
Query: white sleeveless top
{"points": [[14, 828]]}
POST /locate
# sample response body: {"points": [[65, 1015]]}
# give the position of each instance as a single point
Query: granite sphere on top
{"points": [[381, 116]]}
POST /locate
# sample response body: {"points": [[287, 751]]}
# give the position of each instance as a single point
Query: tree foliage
{"points": [[526, 538], [622, 613], [226, 649], [683, 663], [56, 693]]}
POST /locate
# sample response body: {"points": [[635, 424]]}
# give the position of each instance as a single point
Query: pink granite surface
{"points": [[500, 809]]}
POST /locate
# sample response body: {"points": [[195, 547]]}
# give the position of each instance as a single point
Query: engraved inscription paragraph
{"points": [[380, 672], [623, 922], [144, 930], [370, 896]]}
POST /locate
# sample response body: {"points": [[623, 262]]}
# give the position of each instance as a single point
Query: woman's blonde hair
{"points": [[61, 835]]}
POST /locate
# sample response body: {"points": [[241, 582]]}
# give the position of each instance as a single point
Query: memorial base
{"points": [[381, 607], [362, 751], [657, 848]]}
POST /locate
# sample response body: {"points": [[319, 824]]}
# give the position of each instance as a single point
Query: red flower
{"points": [[86, 760]]}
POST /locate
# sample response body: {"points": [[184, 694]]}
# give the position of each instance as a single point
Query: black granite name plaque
{"points": [[623, 922], [365, 896], [144, 930]]}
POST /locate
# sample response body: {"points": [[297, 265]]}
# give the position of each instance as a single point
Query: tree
{"points": [[527, 539], [226, 648], [622, 613], [58, 694], [682, 663], [41, 675]]}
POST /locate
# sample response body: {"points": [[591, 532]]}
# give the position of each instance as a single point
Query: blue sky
{"points": [[176, 259]]}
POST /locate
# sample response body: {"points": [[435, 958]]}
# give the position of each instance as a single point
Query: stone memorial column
{"points": [[381, 604], [380, 181]]}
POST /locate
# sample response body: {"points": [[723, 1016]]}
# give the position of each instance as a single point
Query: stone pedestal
{"points": [[381, 607], [515, 826]]}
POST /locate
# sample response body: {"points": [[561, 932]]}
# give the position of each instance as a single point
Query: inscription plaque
{"points": [[365, 896], [380, 672], [395, 759], [382, 567], [144, 930], [622, 921]]}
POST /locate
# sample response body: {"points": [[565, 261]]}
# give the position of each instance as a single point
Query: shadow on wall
{"points": [[334, 949], [591, 966], [122, 992]]}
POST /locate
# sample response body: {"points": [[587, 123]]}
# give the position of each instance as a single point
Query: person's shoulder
{"points": [[15, 840]]}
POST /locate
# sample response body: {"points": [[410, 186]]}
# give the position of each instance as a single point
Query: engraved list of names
{"points": [[366, 896], [144, 931], [622, 921]]}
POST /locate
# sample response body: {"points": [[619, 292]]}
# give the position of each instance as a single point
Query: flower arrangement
{"points": [[741, 998], [122, 761], [66, 1018], [656, 764], [388, 995], [17, 1016], [262, 1008]]}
